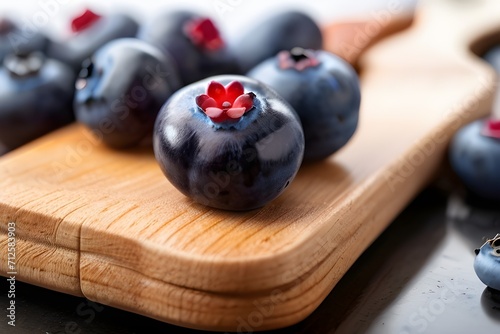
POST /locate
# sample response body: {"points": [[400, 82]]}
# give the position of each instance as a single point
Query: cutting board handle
{"points": [[454, 25], [350, 38]]}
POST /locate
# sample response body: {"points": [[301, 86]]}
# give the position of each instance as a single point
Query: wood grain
{"points": [[109, 226]]}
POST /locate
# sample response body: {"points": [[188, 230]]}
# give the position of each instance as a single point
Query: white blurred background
{"points": [[53, 16]]}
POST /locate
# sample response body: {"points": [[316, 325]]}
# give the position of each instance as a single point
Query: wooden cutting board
{"points": [[107, 225]]}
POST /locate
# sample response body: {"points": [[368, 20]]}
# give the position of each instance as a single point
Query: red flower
{"points": [[222, 103], [492, 128], [204, 34], [84, 21]]}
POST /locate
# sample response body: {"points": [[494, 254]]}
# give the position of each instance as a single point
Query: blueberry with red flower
{"points": [[229, 142], [194, 42], [90, 31], [475, 149], [475, 157]]}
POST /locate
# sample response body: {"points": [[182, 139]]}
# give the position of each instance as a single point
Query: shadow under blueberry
{"points": [[325, 170], [144, 150], [490, 302], [321, 175]]}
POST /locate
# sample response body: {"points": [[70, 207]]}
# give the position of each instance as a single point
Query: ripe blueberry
{"points": [[90, 32], [282, 31], [493, 58], [229, 142], [324, 91], [14, 39], [121, 90], [487, 263], [194, 42], [36, 97], [475, 157]]}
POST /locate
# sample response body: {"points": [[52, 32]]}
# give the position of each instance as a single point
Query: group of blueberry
{"points": [[231, 123], [475, 157], [38, 74], [475, 149]]}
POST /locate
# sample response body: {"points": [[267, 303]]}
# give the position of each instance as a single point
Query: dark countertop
{"points": [[417, 277]]}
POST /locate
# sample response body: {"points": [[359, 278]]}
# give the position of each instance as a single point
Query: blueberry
{"points": [[36, 97], [233, 147], [90, 32], [475, 157], [487, 263], [121, 90], [324, 91], [14, 39], [279, 32], [493, 58], [194, 42]]}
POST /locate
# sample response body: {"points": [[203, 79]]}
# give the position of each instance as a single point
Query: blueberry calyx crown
{"points": [[84, 21], [492, 128], [24, 65], [298, 59], [225, 103], [495, 244], [204, 34]]}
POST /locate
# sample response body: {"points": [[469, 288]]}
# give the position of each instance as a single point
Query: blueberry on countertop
{"points": [[475, 157], [194, 42], [282, 31], [14, 39], [36, 97], [90, 32], [324, 91], [487, 263], [229, 142], [121, 89]]}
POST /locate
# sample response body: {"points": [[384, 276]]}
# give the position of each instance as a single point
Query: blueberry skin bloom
{"points": [[238, 160], [276, 33], [36, 96], [487, 263], [121, 90], [194, 42], [324, 91], [475, 157]]}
